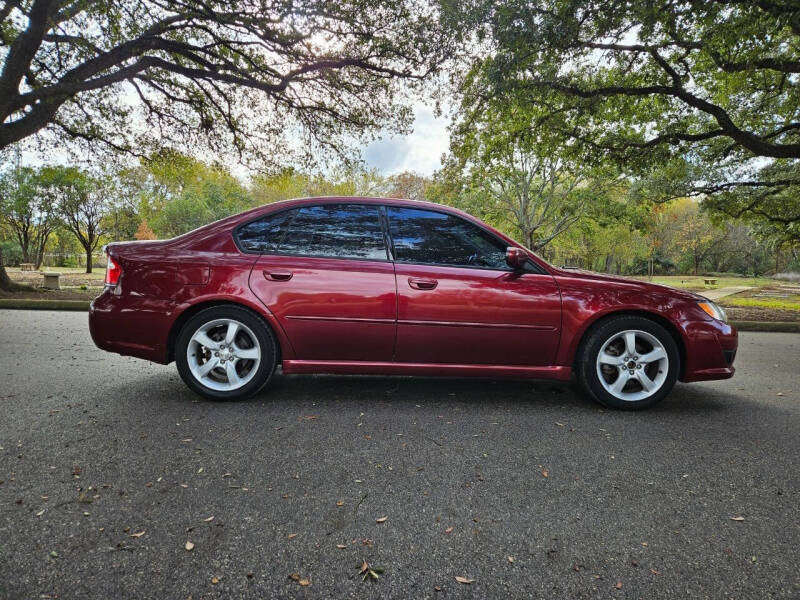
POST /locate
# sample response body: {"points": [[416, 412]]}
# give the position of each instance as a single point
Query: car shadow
{"points": [[685, 399]]}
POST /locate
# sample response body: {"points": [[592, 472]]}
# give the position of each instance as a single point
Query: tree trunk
{"points": [[5, 282], [88, 260]]}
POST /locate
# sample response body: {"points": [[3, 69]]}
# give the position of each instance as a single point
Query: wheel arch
{"points": [[655, 317], [193, 309]]}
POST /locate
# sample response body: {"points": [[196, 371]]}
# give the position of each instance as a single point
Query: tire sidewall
{"points": [[260, 329], [587, 365]]}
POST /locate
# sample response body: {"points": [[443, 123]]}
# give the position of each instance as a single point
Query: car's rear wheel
{"points": [[628, 362], [225, 353]]}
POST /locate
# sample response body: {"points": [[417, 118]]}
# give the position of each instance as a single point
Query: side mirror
{"points": [[516, 257]]}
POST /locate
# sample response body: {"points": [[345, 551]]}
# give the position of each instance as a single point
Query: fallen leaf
{"points": [[464, 580], [437, 588], [214, 580], [294, 576], [779, 394], [737, 518], [291, 536], [137, 535], [618, 585], [53, 554], [654, 572], [341, 546], [364, 567], [184, 485], [304, 582], [40, 513], [200, 470], [545, 473], [449, 530], [211, 518], [511, 559], [644, 544], [381, 519], [189, 546], [340, 503]]}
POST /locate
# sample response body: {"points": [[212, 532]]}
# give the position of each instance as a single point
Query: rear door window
{"points": [[326, 230]]}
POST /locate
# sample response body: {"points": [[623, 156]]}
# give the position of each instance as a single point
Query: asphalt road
{"points": [[109, 466]]}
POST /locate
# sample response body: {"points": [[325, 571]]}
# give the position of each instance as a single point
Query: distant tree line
{"points": [[589, 218]]}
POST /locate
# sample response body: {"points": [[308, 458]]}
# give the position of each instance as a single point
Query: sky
{"points": [[419, 151]]}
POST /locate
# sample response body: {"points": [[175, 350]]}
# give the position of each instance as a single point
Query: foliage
{"points": [[237, 75], [699, 97], [507, 173], [28, 210]]}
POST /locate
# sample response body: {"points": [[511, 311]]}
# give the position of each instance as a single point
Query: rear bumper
{"points": [[131, 326], [710, 351]]}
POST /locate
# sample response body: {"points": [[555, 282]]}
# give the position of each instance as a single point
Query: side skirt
{"points": [[426, 369]]}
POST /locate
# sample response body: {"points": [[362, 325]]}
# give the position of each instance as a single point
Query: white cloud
{"points": [[420, 151]]}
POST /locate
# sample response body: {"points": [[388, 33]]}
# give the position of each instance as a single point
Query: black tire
{"points": [[587, 368], [263, 337]]}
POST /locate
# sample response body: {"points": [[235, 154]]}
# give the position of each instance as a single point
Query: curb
{"points": [[768, 326], [83, 305], [28, 304]]}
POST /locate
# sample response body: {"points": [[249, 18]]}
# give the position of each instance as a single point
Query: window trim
{"points": [[391, 254], [297, 209]]}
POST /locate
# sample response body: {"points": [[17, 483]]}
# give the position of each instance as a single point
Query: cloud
{"points": [[420, 151]]}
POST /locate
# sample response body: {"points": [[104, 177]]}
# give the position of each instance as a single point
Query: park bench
{"points": [[710, 280], [26, 266], [51, 280]]}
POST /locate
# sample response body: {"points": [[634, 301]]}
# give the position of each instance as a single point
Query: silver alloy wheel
{"points": [[632, 365], [223, 355]]}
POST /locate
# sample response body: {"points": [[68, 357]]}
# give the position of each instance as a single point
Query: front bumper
{"points": [[710, 351]]}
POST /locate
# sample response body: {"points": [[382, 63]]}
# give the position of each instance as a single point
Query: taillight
{"points": [[113, 271]]}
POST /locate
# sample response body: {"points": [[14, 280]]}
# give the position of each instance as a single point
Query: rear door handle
{"points": [[278, 275], [422, 284]]}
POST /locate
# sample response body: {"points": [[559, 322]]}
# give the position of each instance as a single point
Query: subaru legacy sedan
{"points": [[395, 287]]}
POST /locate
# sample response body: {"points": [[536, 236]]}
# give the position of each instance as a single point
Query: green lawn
{"points": [[790, 303], [691, 282]]}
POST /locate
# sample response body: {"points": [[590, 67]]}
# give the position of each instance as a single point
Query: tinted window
{"points": [[336, 230], [425, 236], [265, 234]]}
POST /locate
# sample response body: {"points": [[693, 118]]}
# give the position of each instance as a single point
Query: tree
{"points": [[28, 210], [237, 74], [82, 202], [705, 82], [177, 193], [144, 232], [508, 173]]}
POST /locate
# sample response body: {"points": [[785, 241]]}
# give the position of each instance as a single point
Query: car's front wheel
{"points": [[628, 362], [225, 353]]}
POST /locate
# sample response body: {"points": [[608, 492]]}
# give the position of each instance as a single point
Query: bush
{"points": [[12, 253]]}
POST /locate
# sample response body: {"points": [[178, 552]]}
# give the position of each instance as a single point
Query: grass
{"points": [[692, 282], [790, 303]]}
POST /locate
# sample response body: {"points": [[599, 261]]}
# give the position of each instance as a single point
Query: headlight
{"points": [[713, 310]]}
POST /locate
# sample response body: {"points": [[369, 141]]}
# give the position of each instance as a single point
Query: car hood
{"points": [[643, 285]]}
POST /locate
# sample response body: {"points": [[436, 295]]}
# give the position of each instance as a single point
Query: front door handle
{"points": [[422, 284], [278, 275]]}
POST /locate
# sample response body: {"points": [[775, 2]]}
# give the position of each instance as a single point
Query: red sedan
{"points": [[385, 286]]}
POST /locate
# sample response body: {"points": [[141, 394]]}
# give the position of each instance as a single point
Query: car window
{"points": [[337, 231], [266, 233], [430, 237]]}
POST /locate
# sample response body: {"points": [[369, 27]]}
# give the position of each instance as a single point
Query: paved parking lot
{"points": [[109, 466]]}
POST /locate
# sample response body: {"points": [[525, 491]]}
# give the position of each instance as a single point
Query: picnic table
{"points": [[710, 280]]}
